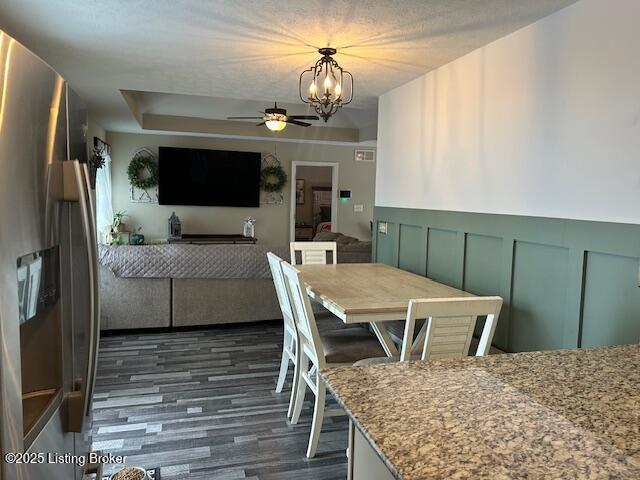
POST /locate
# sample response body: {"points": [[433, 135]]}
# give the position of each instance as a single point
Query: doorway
{"points": [[314, 199]]}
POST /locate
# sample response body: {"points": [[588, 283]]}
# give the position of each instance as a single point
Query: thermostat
{"points": [[345, 195]]}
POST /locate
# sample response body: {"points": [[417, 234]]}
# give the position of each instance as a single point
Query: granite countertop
{"points": [[558, 414]]}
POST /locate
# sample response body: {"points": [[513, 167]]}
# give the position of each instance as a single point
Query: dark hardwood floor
{"points": [[201, 405]]}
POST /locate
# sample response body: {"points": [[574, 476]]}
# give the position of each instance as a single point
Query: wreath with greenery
{"points": [[138, 164], [273, 178]]}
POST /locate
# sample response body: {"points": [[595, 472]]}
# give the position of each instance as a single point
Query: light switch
{"points": [[358, 208], [382, 227]]}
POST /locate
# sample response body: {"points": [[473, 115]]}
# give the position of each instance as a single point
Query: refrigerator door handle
{"points": [[95, 287], [76, 189]]}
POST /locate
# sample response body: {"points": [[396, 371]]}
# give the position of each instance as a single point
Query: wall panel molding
{"points": [[575, 297], [443, 256], [611, 302], [538, 296], [570, 272], [411, 248]]}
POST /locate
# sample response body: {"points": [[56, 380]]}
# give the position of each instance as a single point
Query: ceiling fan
{"points": [[276, 119]]}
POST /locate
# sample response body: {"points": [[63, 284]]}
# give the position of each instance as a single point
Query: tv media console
{"points": [[205, 239]]}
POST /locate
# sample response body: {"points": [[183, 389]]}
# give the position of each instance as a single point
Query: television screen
{"points": [[188, 176]]}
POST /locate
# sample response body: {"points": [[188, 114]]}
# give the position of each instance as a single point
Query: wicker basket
{"points": [[130, 473]]}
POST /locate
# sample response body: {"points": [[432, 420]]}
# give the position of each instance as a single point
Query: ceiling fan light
{"points": [[275, 125]]}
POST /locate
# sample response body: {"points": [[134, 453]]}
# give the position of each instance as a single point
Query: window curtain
{"points": [[104, 205]]}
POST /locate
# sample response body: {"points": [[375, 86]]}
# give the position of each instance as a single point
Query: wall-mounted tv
{"points": [[189, 176]]}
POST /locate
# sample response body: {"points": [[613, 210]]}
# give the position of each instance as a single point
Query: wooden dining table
{"points": [[371, 293]]}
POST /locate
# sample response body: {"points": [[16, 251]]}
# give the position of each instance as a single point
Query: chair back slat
{"points": [[281, 292], [303, 315], [313, 253], [448, 337], [450, 326]]}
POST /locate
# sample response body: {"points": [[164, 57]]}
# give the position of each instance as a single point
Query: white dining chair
{"points": [[315, 351], [313, 253], [448, 329], [290, 337]]}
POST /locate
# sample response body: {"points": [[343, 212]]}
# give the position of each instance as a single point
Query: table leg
{"points": [[484, 345], [381, 332]]}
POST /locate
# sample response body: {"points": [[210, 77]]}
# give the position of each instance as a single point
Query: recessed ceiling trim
{"points": [[132, 102], [175, 123]]}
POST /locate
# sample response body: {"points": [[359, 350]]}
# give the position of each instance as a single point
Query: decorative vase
{"points": [[175, 227], [136, 239], [248, 229]]}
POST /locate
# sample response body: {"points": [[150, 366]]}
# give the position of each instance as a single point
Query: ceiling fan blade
{"points": [[304, 117], [296, 122], [244, 118], [260, 124]]}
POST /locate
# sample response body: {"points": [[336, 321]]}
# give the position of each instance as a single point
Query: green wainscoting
{"points": [[411, 254], [566, 283]]}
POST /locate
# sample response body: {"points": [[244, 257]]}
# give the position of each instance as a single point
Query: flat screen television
{"points": [[189, 176]]}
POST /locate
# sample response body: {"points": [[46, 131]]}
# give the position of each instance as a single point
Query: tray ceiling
{"points": [[248, 50]]}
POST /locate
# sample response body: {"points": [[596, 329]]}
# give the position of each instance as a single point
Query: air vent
{"points": [[365, 156]]}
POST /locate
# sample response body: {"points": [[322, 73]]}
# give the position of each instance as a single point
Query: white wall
{"points": [[543, 122], [272, 225]]}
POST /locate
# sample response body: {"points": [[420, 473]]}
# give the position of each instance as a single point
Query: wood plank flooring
{"points": [[201, 405]]}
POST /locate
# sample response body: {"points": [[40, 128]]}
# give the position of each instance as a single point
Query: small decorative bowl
{"points": [[130, 473], [136, 239]]}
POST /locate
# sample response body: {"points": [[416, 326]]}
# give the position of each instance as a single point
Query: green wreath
{"points": [[142, 163], [273, 178]]}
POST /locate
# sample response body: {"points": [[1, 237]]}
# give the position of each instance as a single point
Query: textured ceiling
{"points": [[251, 49]]}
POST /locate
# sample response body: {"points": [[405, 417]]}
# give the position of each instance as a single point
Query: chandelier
{"points": [[330, 87]]}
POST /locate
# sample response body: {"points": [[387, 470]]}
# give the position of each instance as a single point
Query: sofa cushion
{"points": [[348, 345], [347, 240], [325, 236], [358, 246], [339, 238], [350, 249]]}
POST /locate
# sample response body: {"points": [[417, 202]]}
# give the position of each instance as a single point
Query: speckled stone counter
{"points": [[560, 414]]}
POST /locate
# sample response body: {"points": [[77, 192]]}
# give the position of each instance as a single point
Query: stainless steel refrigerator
{"points": [[49, 318]]}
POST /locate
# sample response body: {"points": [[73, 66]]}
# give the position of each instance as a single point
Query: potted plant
{"points": [[117, 226], [117, 239]]}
